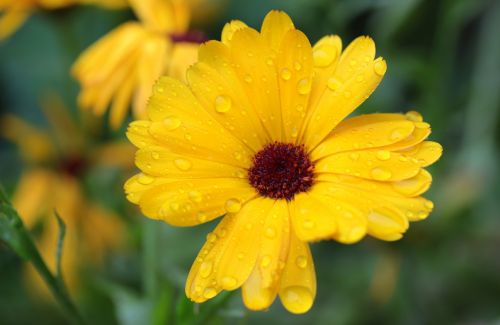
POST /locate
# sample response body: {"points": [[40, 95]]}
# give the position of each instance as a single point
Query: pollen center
{"points": [[281, 170]]}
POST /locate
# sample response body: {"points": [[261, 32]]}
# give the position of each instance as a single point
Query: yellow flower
{"points": [[123, 65], [52, 182], [15, 12], [259, 134]]}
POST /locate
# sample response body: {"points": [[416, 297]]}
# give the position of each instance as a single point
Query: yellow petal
{"points": [[364, 132], [121, 102], [419, 134], [11, 20], [182, 126], [354, 79], [275, 26], [160, 15], [230, 28], [261, 288], [380, 165], [427, 152], [182, 57], [150, 66], [311, 219], [187, 202], [226, 104], [228, 257], [295, 68], [255, 68], [298, 282]]}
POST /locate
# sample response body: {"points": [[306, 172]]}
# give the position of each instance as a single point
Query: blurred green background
{"points": [[443, 60]]}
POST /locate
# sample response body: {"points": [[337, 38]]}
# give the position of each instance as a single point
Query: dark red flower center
{"points": [[192, 36], [281, 170]]}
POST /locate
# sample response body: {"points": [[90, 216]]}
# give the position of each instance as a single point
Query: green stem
{"points": [[15, 235], [150, 264]]}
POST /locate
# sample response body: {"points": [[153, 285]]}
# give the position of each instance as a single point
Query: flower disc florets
{"points": [[281, 170]]}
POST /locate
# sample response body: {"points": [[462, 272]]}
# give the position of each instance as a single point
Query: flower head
{"points": [[260, 136], [122, 66], [15, 12], [57, 161]]}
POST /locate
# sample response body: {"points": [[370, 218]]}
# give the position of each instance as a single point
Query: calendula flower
{"points": [[123, 65], [56, 163], [15, 12], [260, 135]]}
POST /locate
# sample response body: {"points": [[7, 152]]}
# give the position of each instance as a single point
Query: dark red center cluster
{"points": [[281, 170], [192, 36]]}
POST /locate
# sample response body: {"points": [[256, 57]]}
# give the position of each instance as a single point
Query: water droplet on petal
{"points": [[233, 205], [429, 205], [297, 66], [202, 217], [211, 237], [248, 78], [209, 293], [324, 54], [145, 179], [286, 74], [266, 261], [229, 283], [171, 123], [334, 84], [380, 174], [354, 156], [195, 196], [222, 104], [383, 155], [414, 116], [294, 132], [270, 232], [155, 155], [301, 261], [308, 224], [297, 299], [304, 86], [174, 206], [205, 269], [379, 66], [182, 164], [396, 134]]}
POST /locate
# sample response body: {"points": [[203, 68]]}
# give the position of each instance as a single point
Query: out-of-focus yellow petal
{"points": [[355, 77], [162, 15], [35, 145], [150, 66], [182, 57], [31, 198], [261, 288], [11, 21], [116, 154], [298, 281], [187, 202], [228, 257]]}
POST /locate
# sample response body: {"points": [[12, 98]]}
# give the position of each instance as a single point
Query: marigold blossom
{"points": [[15, 12], [260, 136], [123, 65], [56, 161]]}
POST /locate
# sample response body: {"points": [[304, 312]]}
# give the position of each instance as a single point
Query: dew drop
{"points": [[171, 123], [360, 78], [308, 224], [205, 269], [334, 84], [297, 299], [347, 94], [422, 214], [248, 78], [429, 205], [211, 237], [354, 156], [269, 62], [383, 155], [266, 261], [301, 261], [209, 293], [304, 86], [324, 54], [297, 66], [201, 216], [414, 116], [195, 196], [379, 66], [396, 134], [222, 104], [174, 206], [233, 205], [380, 174], [229, 283], [286, 74], [270, 232], [145, 179], [182, 164], [155, 155], [294, 132]]}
